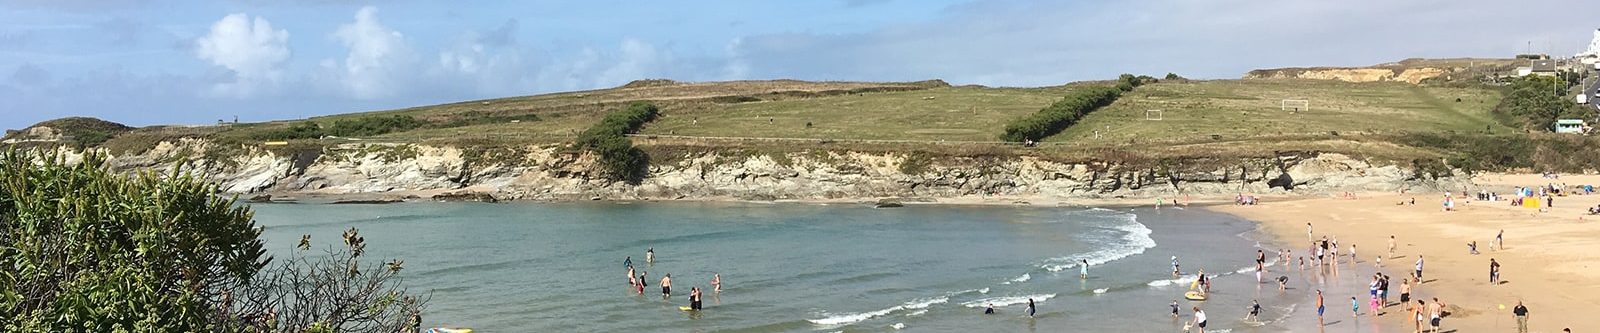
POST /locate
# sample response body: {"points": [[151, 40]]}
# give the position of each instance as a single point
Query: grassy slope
{"points": [[1201, 118]]}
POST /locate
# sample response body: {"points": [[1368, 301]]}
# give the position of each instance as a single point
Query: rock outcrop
{"points": [[550, 173]]}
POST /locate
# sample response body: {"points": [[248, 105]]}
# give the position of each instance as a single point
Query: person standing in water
{"points": [[694, 298], [1030, 307], [631, 281], [1255, 312], [988, 309], [1175, 270], [628, 261], [1320, 308], [716, 282], [1083, 269], [1174, 309], [1200, 319], [666, 286], [650, 255]]}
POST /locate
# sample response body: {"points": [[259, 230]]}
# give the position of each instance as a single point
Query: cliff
{"points": [[1411, 71], [551, 173]]}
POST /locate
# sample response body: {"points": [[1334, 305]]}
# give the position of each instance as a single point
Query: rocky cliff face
{"points": [[1408, 75], [549, 173]]}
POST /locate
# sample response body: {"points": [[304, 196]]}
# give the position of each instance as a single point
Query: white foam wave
{"points": [[985, 290], [1100, 291], [851, 318], [1024, 278], [1007, 300], [898, 326], [1135, 239], [1181, 280], [917, 313]]}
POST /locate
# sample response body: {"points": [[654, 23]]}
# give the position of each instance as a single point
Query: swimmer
{"points": [[988, 309], [716, 282]]}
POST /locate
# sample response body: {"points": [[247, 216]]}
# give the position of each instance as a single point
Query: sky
{"points": [[148, 62]]}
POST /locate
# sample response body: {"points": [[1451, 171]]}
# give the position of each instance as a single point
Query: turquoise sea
{"points": [[558, 267]]}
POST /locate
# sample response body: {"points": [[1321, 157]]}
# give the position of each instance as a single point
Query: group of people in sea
{"points": [[1427, 314], [638, 283]]}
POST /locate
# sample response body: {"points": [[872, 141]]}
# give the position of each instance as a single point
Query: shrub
{"points": [[372, 126], [608, 139], [1060, 115], [86, 249], [299, 131]]}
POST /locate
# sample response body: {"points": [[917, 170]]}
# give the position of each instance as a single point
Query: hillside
{"points": [[1198, 118]]}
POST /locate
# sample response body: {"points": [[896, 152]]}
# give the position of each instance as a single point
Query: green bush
{"points": [[300, 131], [619, 159], [85, 249], [373, 126], [88, 250], [1062, 114], [1536, 101]]}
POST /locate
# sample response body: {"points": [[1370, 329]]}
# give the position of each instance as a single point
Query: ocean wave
{"points": [[1020, 279], [919, 312], [1185, 279], [898, 326], [1007, 300], [851, 318], [1135, 239]]}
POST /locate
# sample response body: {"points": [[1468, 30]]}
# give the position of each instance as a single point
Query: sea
{"points": [[801, 267]]}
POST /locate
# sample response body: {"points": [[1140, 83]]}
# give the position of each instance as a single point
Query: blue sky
{"points": [[145, 62]]}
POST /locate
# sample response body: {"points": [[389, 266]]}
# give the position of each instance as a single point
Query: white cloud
{"points": [[250, 48], [378, 56]]}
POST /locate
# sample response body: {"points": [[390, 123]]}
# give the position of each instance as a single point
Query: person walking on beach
{"points": [[716, 282], [650, 255], [1352, 254], [1031, 309], [1405, 293], [1435, 312], [1355, 307], [1494, 272], [1521, 312], [1309, 235], [1383, 289], [1417, 314], [666, 285], [1391, 246], [1499, 240], [1320, 308]]}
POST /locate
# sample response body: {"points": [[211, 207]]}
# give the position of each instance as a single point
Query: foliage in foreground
{"points": [[618, 157], [88, 250]]}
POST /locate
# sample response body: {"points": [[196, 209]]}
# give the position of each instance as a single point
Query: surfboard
{"points": [[1194, 296], [685, 308]]}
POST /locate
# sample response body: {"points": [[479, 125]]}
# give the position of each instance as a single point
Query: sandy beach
{"points": [[1548, 261]]}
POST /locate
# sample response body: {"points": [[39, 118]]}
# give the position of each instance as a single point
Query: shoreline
{"points": [[1548, 263]]}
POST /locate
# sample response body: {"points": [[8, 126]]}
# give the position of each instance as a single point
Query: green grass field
{"points": [[1199, 118], [1240, 109]]}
